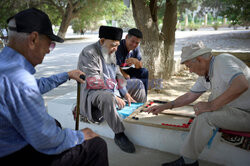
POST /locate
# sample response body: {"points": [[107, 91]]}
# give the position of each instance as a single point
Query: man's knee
{"points": [[98, 144], [203, 118], [144, 72], [135, 84], [107, 98]]}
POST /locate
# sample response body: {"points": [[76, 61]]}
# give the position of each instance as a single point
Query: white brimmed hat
{"points": [[192, 51]]}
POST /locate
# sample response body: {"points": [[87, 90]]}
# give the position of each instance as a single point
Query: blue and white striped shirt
{"points": [[23, 117]]}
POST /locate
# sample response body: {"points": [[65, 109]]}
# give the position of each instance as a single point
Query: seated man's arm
{"points": [[121, 82], [125, 75], [136, 62], [122, 86], [89, 64], [183, 100], [49, 83], [37, 127], [238, 86]]}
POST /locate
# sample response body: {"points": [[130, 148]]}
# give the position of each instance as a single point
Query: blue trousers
{"points": [[141, 74]]}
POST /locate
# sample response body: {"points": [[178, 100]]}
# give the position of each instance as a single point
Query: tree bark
{"points": [[72, 9], [67, 17], [168, 31], [157, 47], [150, 43]]}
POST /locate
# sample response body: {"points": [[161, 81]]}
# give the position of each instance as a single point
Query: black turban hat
{"points": [[112, 33]]}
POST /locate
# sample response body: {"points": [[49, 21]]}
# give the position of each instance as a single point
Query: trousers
{"points": [[202, 128], [92, 152]]}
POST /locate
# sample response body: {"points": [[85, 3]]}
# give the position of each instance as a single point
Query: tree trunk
{"points": [[157, 48], [186, 21], [67, 17], [205, 20], [168, 31], [151, 41]]}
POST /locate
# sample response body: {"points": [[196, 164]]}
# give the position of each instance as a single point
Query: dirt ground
{"points": [[179, 84]]}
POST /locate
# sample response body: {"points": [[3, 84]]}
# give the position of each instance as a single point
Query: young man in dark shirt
{"points": [[128, 57]]}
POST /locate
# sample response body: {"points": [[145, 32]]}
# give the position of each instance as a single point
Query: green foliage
{"points": [[126, 21], [88, 12], [237, 11], [187, 4], [7, 9], [216, 25], [193, 26], [53, 13], [90, 16], [182, 5]]}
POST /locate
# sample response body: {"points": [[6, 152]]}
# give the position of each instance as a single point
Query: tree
{"points": [[62, 12], [68, 9], [157, 45], [237, 11], [126, 21], [81, 9], [90, 17], [7, 9]]}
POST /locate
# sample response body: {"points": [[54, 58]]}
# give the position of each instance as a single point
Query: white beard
{"points": [[109, 59]]}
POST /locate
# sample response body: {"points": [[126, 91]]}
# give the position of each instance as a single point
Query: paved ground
{"points": [[142, 157]]}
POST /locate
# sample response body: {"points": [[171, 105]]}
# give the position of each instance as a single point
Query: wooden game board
{"points": [[176, 119]]}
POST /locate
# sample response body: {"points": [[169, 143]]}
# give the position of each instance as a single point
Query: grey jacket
{"points": [[91, 63]]}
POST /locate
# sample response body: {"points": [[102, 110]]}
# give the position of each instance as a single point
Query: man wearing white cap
{"points": [[228, 107]]}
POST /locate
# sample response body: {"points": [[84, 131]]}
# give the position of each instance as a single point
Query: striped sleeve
{"points": [[37, 127]]}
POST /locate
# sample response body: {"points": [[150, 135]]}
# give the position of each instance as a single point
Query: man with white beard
{"points": [[105, 87]]}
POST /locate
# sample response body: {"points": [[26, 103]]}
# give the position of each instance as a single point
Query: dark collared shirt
{"points": [[122, 53]]}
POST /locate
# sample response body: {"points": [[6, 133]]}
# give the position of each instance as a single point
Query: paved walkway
{"points": [[142, 157]]}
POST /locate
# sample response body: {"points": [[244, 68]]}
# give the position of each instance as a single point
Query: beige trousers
{"points": [[203, 125]]}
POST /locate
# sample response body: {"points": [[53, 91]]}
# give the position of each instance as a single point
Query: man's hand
{"points": [[129, 99], [125, 75], [202, 107], [88, 134], [131, 61], [157, 109], [121, 104], [75, 74]]}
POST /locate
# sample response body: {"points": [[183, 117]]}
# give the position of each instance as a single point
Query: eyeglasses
{"points": [[52, 46], [190, 63]]}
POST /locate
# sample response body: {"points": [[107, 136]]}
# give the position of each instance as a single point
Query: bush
{"points": [[216, 25], [193, 26]]}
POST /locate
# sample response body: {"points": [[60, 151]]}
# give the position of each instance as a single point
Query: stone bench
{"points": [[244, 56], [150, 136]]}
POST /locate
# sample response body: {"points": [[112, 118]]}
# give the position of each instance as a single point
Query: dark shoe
{"points": [[180, 162], [81, 117], [124, 143]]}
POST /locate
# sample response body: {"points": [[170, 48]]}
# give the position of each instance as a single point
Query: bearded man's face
{"points": [[108, 49]]}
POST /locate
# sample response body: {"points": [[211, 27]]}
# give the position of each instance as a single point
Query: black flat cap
{"points": [[112, 33], [31, 20], [135, 32]]}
